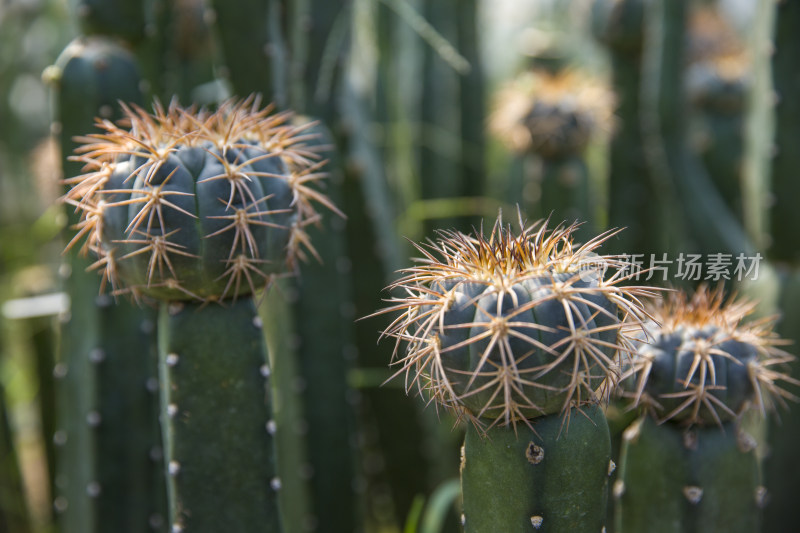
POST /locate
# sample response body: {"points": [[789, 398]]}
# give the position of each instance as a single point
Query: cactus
{"points": [[718, 80], [698, 368], [710, 225], [542, 478], [107, 445], [218, 425], [708, 479], [553, 116], [517, 334], [193, 205], [201, 207]]}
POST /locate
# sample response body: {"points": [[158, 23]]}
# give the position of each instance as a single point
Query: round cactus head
{"points": [[553, 115], [509, 327], [698, 362], [187, 203]]}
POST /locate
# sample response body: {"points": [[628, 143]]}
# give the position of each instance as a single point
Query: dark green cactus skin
{"points": [[203, 271], [721, 103], [781, 513], [673, 354], [289, 411], [784, 217], [216, 410], [325, 357], [124, 19], [549, 325], [13, 508], [565, 192], [252, 53], [709, 223], [659, 477], [552, 478], [633, 191], [105, 477]]}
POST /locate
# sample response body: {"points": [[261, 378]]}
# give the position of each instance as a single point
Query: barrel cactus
{"points": [[698, 361], [520, 334], [191, 204], [698, 369]]}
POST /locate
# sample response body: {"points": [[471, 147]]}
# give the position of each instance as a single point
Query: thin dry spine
{"points": [[709, 308], [497, 263], [151, 139]]}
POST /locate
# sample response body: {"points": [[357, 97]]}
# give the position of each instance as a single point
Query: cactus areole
{"points": [[189, 204], [507, 328]]}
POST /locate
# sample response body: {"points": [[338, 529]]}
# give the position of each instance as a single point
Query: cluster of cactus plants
{"points": [[221, 410]]}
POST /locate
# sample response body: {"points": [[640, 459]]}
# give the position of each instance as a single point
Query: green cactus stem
{"points": [[636, 200], [674, 480], [783, 216], [546, 477], [710, 225], [253, 51], [216, 411], [518, 333], [697, 369], [107, 446], [325, 357], [718, 81], [13, 507], [123, 19]]}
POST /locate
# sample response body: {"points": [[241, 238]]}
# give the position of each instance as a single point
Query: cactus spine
{"points": [[698, 368], [517, 333]]}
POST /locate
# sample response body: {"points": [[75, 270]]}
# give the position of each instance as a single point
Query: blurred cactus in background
{"points": [[208, 151]]}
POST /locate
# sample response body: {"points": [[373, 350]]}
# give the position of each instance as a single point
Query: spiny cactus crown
{"points": [[187, 203], [698, 362], [551, 114], [508, 327]]}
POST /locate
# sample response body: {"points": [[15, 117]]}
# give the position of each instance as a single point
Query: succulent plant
{"points": [[519, 334], [187, 204], [190, 206], [549, 118], [698, 362], [697, 370]]}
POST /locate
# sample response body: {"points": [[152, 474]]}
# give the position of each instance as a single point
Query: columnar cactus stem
{"points": [[705, 479], [541, 478], [218, 425], [518, 333], [107, 446], [710, 224]]}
